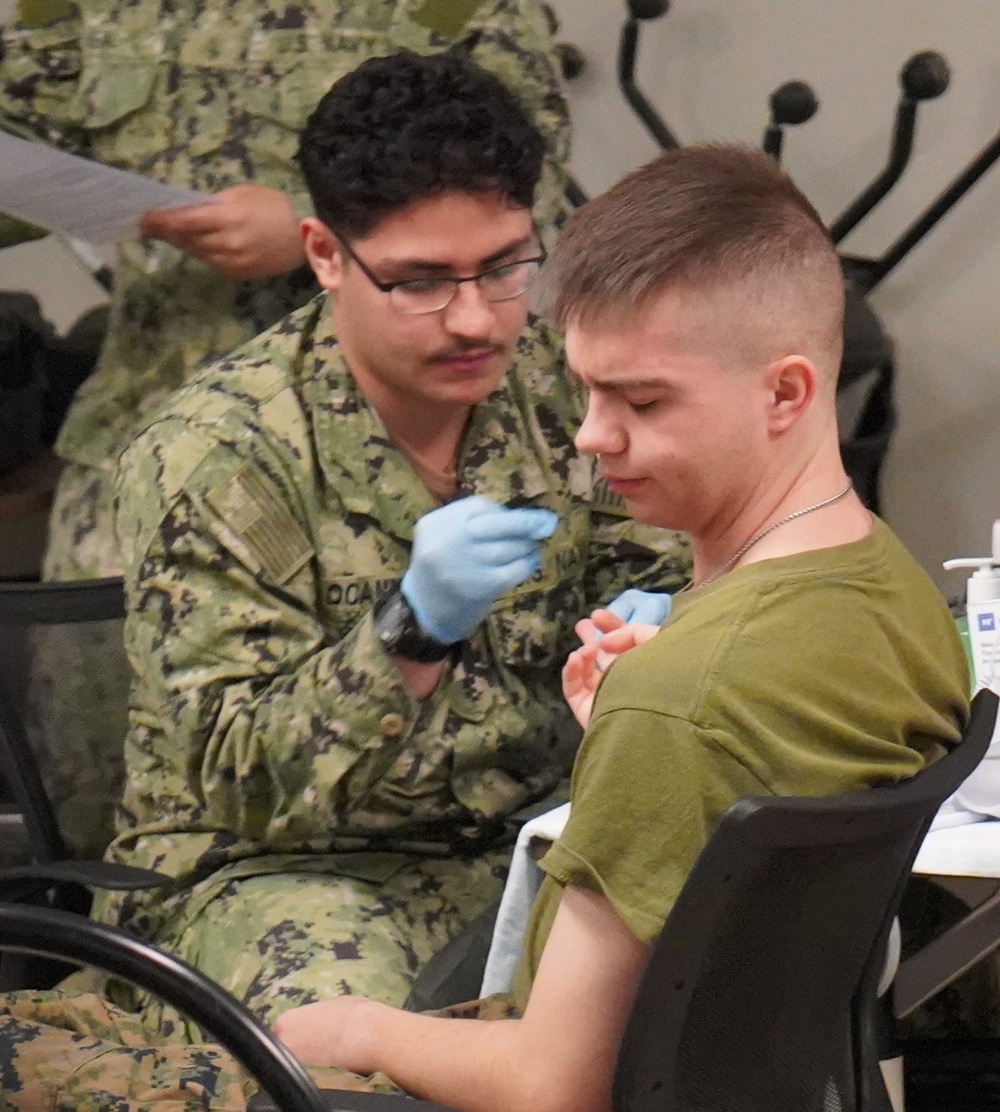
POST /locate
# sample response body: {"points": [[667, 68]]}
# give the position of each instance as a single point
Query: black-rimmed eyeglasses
{"points": [[430, 295]]}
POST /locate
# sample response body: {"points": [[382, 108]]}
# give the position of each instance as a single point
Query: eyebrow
{"points": [[621, 383], [447, 268]]}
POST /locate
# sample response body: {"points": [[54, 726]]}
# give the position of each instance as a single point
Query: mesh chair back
{"points": [[756, 986], [63, 711]]}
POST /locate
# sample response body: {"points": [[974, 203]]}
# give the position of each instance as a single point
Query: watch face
{"points": [[391, 621], [399, 634]]}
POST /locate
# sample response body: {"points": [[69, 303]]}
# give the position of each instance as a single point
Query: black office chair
{"points": [[766, 970], [760, 992], [63, 710]]}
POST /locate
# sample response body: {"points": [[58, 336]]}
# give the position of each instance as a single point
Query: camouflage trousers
{"points": [[287, 938], [82, 543], [63, 1052]]}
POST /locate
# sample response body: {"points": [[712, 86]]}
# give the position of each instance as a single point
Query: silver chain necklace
{"points": [[741, 552]]}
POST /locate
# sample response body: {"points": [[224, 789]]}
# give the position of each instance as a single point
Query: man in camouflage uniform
{"points": [[208, 94], [327, 785], [212, 94]]}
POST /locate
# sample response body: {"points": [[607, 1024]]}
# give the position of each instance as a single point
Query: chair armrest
{"points": [[62, 936], [19, 881]]}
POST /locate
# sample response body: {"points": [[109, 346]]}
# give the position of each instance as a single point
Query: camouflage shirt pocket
{"points": [[286, 76], [116, 99], [115, 89], [41, 66]]}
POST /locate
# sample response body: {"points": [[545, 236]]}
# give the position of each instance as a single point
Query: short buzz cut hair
{"points": [[410, 126], [704, 220]]}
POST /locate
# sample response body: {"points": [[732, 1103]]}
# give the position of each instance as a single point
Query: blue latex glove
{"points": [[644, 607], [465, 555]]}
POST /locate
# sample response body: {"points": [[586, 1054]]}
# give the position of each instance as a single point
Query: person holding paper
{"points": [[211, 95]]}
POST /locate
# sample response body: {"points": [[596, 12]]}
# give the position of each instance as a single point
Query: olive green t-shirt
{"points": [[812, 674]]}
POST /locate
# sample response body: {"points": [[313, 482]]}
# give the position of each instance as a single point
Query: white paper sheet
{"points": [[77, 197]]}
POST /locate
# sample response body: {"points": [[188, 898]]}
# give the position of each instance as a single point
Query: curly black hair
{"points": [[410, 126]]}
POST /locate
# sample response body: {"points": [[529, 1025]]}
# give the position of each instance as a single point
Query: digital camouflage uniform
{"points": [[327, 832], [64, 1053], [208, 94]]}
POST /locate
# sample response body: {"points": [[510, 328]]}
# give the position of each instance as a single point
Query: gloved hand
{"points": [[465, 555], [643, 607]]}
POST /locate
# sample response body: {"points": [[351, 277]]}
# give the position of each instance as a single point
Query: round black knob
{"points": [[648, 9], [572, 60], [793, 103], [925, 76]]}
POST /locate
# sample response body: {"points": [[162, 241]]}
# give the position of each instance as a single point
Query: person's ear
{"points": [[323, 251], [791, 383]]}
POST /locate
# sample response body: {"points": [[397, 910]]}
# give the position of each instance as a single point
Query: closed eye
{"points": [[423, 285]]}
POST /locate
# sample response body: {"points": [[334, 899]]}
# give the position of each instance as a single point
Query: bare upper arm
{"points": [[586, 983]]}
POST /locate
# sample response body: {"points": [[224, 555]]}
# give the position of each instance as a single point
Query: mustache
{"points": [[466, 347]]}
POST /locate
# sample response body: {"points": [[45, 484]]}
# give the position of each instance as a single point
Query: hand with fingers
{"points": [[248, 231], [631, 607], [585, 666], [465, 556]]}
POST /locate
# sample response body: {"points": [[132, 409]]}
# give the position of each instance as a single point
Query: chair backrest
{"points": [[63, 711], [758, 983]]}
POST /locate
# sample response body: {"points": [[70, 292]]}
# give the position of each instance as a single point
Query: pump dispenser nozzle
{"points": [[984, 583]]}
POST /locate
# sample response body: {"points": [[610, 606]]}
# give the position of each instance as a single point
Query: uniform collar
{"points": [[373, 478]]}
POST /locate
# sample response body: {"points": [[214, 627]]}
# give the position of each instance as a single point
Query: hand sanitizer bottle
{"points": [[983, 609]]}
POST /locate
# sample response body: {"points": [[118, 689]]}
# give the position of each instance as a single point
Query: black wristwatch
{"points": [[399, 632]]}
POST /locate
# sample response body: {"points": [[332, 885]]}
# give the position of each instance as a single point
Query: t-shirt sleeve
{"points": [[647, 790]]}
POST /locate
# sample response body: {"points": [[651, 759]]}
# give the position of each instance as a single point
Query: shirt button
{"points": [[392, 725]]}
